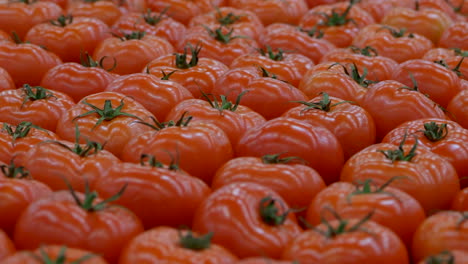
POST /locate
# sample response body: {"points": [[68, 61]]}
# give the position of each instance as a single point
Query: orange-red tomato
{"points": [[157, 95], [69, 37], [458, 108], [157, 195], [6, 82], [262, 260], [297, 184], [56, 253], [78, 220], [39, 105], [183, 10], [460, 202], [168, 245], [315, 144], [441, 231], [248, 219], [106, 11], [455, 36], [7, 247]]}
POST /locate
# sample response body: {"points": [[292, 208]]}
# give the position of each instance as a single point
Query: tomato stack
{"points": [[234, 131]]}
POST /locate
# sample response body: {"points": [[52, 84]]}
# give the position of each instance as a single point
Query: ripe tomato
{"points": [[189, 69], [339, 22], [458, 108], [391, 103], [460, 202], [347, 241], [289, 67], [234, 119], [131, 52], [281, 11], [262, 260], [297, 184], [430, 179], [315, 144], [6, 82], [391, 207], [199, 147], [156, 194], [351, 124], [106, 11], [309, 43], [106, 118], [157, 95], [248, 219], [20, 16], [183, 11], [447, 256], [17, 191], [7, 247], [55, 254], [264, 93], [455, 36], [168, 245], [441, 231], [39, 105], [74, 219], [153, 23]]}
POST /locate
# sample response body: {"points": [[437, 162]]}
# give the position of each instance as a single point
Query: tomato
{"points": [[68, 36], [351, 124], [347, 241], [430, 179], [234, 119], [182, 10], [391, 207], [58, 254], [397, 44], [248, 219], [199, 147], [20, 16], [17, 191], [74, 219], [447, 256], [36, 104], [106, 118], [441, 231], [189, 69], [131, 52], [437, 81], [153, 23], [289, 67], [243, 21], [262, 260], [106, 11], [157, 95], [315, 144], [164, 244], [455, 36], [282, 11], [6, 246], [391, 103], [156, 194], [458, 108], [443, 137], [6, 82], [297, 184], [460, 202], [309, 43], [264, 92], [26, 63], [339, 22]]}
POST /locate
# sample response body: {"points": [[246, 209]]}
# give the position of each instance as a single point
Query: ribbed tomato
{"points": [[56, 253]]}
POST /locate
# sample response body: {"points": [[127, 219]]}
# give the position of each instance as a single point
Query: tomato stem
{"points": [[62, 21], [33, 93], [153, 20], [224, 38], [445, 257], [270, 213], [150, 160], [14, 172], [269, 53], [366, 51], [399, 154], [228, 19], [224, 104], [189, 241], [323, 105], [342, 227], [183, 121], [313, 32], [21, 130], [61, 257], [336, 18], [275, 159], [181, 59], [434, 132]]}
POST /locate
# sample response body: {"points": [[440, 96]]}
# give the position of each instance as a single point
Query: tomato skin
{"points": [[460, 202], [26, 63], [392, 208], [455, 36], [297, 184], [43, 112], [459, 256], [81, 35], [441, 231], [262, 260], [156, 95], [458, 107], [158, 196], [132, 55], [53, 252], [161, 245], [232, 213], [267, 96], [431, 180], [313, 143], [183, 11], [453, 146], [6, 82], [313, 247], [20, 17], [77, 80], [201, 148], [7, 247], [106, 11], [351, 124], [114, 133], [391, 105]]}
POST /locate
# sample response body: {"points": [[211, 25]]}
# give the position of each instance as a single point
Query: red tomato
{"points": [[262, 260], [106, 11], [6, 82], [7, 247], [168, 245], [315, 144], [455, 36], [182, 10], [248, 219], [460, 202], [58, 254], [458, 108]]}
